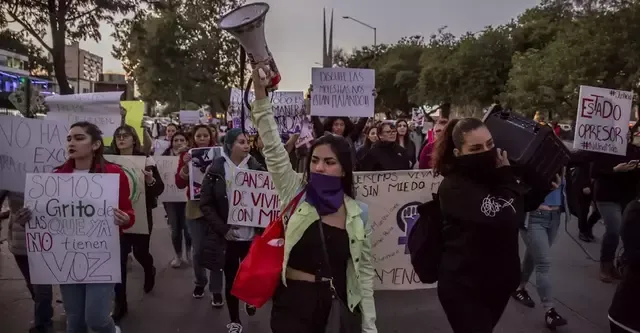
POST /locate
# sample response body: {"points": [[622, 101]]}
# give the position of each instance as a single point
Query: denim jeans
{"points": [[88, 306], [539, 235], [612, 216], [177, 222], [198, 232], [42, 295]]}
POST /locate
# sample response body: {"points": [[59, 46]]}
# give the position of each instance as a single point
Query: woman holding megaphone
{"points": [[327, 276]]}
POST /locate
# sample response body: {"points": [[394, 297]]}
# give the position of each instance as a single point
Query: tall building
{"points": [[83, 68]]}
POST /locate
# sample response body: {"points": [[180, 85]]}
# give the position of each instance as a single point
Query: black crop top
{"points": [[307, 255]]}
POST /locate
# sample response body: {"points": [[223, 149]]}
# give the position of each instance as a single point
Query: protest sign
{"points": [[159, 146], [393, 198], [29, 146], [254, 201], [602, 123], [133, 167], [306, 134], [133, 118], [339, 92], [167, 167], [288, 110], [71, 237], [189, 117], [102, 109], [201, 159], [417, 117]]}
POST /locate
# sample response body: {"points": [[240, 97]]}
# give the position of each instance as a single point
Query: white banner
{"points": [[603, 118], [29, 146], [71, 237], [102, 109], [167, 167]]}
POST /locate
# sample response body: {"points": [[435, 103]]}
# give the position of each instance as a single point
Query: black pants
{"points": [[300, 307], [236, 251], [140, 245], [586, 221], [472, 310]]}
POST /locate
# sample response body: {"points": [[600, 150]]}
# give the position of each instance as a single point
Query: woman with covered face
{"points": [[226, 244], [126, 142], [327, 238]]}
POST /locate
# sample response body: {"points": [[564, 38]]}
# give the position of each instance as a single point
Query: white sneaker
{"points": [[118, 330], [234, 328], [176, 262]]}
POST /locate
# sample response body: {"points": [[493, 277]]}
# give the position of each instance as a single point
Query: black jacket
{"points": [[480, 229], [214, 205], [624, 307], [385, 156], [611, 186]]}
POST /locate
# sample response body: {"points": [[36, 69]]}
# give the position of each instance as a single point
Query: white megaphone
{"points": [[246, 24]]}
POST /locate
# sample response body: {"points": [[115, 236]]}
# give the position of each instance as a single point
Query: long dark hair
{"points": [[342, 149], [443, 159], [192, 140], [348, 125], [137, 146], [404, 137], [170, 149], [367, 141], [96, 136]]}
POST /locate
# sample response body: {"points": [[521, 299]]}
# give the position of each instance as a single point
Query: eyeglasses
{"points": [[123, 136], [390, 132]]}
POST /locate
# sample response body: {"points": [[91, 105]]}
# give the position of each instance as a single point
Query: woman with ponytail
{"points": [[483, 205], [89, 305]]}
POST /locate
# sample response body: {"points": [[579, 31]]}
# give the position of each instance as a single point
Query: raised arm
{"points": [[285, 179]]}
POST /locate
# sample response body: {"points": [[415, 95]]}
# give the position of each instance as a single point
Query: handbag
{"points": [[260, 271], [341, 319]]}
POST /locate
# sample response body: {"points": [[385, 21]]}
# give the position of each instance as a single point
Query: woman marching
{"points": [[126, 142], [88, 305], [202, 137], [317, 268], [215, 207]]}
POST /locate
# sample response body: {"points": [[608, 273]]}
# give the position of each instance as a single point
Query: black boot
{"points": [[149, 280]]}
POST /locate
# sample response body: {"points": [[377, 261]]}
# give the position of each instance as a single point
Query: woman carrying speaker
{"points": [[317, 268]]}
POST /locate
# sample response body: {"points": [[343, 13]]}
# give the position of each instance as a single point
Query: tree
{"points": [[177, 54], [17, 42], [66, 20]]}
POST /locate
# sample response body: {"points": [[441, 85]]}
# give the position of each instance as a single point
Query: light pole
{"points": [[375, 31]]}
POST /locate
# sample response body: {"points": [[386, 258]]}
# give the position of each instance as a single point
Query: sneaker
{"points": [[522, 296], [176, 262], [250, 309], [553, 319], [149, 280], [217, 301], [234, 328], [585, 237], [118, 330], [198, 292]]}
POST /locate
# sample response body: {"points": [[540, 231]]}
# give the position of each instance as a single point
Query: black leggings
{"points": [[139, 243], [236, 251], [472, 310]]}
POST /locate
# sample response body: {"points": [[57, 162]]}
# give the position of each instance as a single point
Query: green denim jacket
{"points": [[288, 183]]}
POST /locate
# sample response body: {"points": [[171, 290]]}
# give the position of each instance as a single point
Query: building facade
{"points": [[14, 69], [115, 82], [83, 68]]}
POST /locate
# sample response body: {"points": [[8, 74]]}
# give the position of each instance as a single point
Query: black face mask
{"points": [[480, 165]]}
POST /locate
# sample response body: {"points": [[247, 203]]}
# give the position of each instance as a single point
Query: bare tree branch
{"points": [[31, 31], [80, 15]]}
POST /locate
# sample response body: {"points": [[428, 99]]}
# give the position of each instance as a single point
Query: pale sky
{"points": [[294, 27]]}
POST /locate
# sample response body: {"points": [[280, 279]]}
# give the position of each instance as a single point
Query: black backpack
{"points": [[425, 241]]}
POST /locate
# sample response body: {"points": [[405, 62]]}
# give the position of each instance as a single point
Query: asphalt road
{"points": [[580, 297]]}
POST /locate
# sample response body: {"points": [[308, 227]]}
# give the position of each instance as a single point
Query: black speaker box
{"points": [[533, 149]]}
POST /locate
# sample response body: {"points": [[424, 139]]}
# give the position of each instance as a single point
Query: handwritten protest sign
{"points": [[29, 146], [133, 167], [71, 237], [201, 159], [339, 92], [254, 201], [306, 134], [603, 120], [288, 110], [189, 117], [159, 146], [102, 109], [393, 198], [167, 167]]}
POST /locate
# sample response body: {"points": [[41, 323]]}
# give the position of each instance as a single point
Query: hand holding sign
{"points": [[22, 216], [120, 218]]}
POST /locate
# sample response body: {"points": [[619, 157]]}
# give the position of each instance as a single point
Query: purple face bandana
{"points": [[325, 193]]}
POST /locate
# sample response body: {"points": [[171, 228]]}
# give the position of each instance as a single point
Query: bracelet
{"points": [[153, 182]]}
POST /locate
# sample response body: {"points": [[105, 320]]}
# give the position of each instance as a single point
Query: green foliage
{"points": [[177, 54], [65, 20], [536, 62]]}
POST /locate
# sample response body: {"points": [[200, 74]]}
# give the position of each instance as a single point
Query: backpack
{"points": [[425, 242]]}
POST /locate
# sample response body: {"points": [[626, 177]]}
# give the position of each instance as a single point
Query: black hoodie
{"points": [[385, 156]]}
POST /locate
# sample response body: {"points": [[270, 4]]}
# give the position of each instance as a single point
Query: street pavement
{"points": [[169, 308]]}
